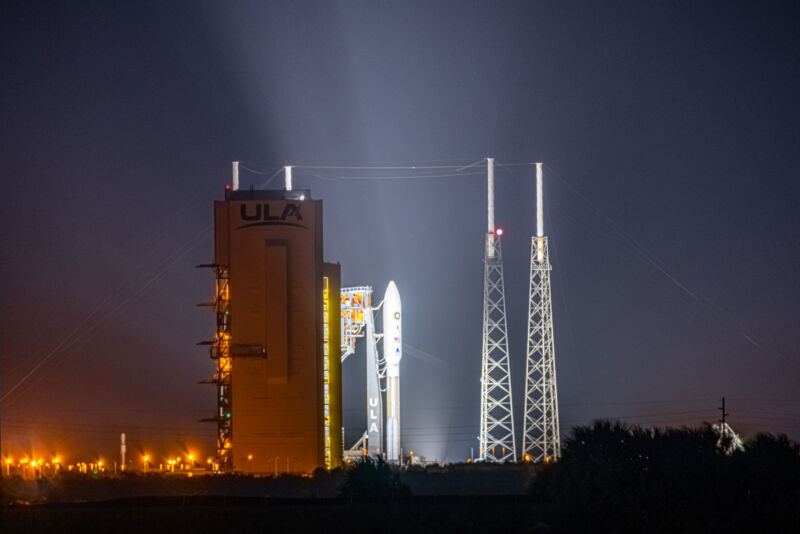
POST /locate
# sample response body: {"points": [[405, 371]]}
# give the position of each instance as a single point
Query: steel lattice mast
{"points": [[497, 414], [541, 439]]}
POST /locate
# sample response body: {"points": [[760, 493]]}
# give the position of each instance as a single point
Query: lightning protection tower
{"points": [[541, 441], [497, 415]]}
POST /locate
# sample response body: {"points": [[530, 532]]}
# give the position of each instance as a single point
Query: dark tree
{"points": [[612, 477], [373, 481]]}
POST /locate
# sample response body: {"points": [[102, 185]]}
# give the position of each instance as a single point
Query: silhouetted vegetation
{"points": [[616, 478], [611, 478], [373, 481]]}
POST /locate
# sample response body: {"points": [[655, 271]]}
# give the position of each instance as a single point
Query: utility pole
{"points": [[724, 419], [8, 465]]}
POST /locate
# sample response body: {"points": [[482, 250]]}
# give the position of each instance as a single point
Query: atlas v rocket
{"points": [[392, 352]]}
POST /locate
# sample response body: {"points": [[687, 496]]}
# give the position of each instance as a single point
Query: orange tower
{"points": [[277, 347]]}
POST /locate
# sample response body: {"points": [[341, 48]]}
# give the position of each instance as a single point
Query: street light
{"points": [[145, 461], [250, 463]]}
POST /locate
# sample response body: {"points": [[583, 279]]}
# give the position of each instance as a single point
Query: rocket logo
{"points": [[373, 414], [260, 213]]}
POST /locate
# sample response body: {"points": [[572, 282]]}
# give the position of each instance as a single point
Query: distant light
{"points": [[499, 231], [228, 415], [227, 187], [302, 197]]}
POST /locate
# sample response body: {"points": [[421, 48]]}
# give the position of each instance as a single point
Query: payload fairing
{"points": [[392, 352]]}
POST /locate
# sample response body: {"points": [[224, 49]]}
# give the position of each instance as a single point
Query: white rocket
{"points": [[392, 352]]}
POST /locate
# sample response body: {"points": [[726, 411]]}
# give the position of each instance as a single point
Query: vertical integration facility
{"points": [[277, 348]]}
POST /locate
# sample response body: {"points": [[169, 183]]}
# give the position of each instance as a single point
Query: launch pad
{"points": [[284, 326]]}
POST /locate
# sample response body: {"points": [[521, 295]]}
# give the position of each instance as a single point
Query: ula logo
{"points": [[260, 214]]}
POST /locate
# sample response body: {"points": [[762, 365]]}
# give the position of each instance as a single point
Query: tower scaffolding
{"points": [[220, 349], [496, 436], [358, 321], [541, 440]]}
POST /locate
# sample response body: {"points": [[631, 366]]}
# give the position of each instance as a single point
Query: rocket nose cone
{"points": [[391, 292]]}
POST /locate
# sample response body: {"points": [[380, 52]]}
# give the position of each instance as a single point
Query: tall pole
{"points": [[539, 202], [496, 436], [724, 419], [7, 460], [539, 215], [541, 431], [288, 177], [122, 450], [235, 179], [490, 207], [490, 193]]}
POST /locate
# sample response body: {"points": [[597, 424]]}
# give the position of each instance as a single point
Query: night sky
{"points": [[669, 131]]}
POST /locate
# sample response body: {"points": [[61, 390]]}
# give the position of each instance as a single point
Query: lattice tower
{"points": [[497, 413], [541, 441]]}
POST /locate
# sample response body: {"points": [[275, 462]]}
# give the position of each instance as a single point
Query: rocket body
{"points": [[393, 353]]}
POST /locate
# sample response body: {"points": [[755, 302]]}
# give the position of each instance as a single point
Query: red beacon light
{"points": [[499, 232], [227, 186]]}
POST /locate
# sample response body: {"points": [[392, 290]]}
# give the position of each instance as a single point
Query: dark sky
{"points": [[670, 135]]}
